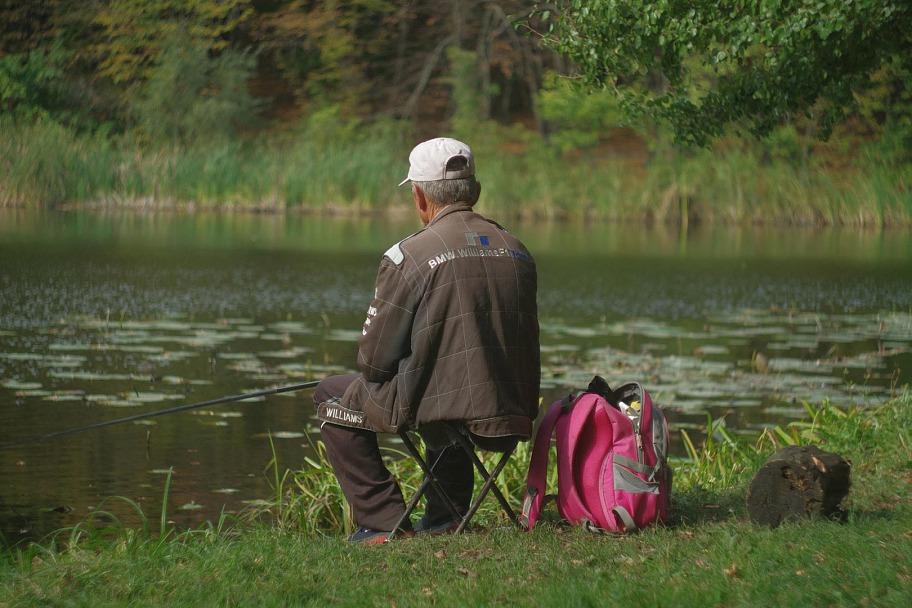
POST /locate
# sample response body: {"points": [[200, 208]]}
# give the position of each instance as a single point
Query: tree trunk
{"points": [[798, 481]]}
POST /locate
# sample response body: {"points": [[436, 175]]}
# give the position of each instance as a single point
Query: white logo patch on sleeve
{"points": [[394, 253]]}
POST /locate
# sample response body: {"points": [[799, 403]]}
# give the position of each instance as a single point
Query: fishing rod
{"points": [[179, 408]]}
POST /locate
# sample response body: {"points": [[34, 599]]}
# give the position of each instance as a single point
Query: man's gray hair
{"points": [[448, 191]]}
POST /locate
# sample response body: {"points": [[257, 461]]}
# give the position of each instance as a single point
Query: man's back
{"points": [[452, 333]]}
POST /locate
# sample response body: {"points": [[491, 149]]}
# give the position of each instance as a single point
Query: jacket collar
{"points": [[453, 208]]}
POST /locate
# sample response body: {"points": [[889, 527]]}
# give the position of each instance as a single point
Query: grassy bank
{"points": [[329, 166], [710, 554]]}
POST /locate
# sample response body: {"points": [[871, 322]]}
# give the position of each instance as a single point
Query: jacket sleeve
{"points": [[386, 335]]}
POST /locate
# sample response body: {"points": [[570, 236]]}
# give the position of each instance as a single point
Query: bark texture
{"points": [[798, 481]]}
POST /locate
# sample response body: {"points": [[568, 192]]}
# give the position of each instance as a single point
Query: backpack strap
{"points": [[538, 466], [623, 514], [629, 525]]}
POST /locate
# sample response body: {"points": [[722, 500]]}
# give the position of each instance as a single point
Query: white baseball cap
{"points": [[429, 160]]}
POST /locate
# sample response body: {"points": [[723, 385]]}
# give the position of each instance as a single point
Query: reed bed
{"points": [[317, 169]]}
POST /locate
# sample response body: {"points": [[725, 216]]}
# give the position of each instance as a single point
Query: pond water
{"points": [[103, 316]]}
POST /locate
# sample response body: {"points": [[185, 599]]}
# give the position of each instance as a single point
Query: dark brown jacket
{"points": [[452, 332]]}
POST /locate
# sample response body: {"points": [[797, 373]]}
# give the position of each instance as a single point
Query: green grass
{"points": [[708, 555], [337, 167]]}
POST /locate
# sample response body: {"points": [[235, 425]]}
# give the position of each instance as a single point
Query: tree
{"points": [[26, 26], [38, 73], [192, 97], [327, 51], [32, 84], [706, 67], [384, 58], [134, 32]]}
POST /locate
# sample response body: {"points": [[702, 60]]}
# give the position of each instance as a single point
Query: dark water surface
{"points": [[106, 316]]}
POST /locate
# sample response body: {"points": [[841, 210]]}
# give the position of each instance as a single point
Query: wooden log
{"points": [[798, 481]]}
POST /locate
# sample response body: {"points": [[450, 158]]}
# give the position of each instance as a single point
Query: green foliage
{"points": [[135, 32], [337, 163], [192, 96], [578, 119], [720, 459], [466, 92], [51, 164], [307, 500], [326, 126], [328, 51], [895, 105], [32, 84], [26, 26], [765, 60]]}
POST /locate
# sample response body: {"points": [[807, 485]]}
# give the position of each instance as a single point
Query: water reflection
{"points": [[106, 315]]}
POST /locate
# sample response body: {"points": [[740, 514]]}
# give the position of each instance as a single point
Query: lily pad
{"points": [[171, 325], [22, 356], [64, 397], [344, 335], [151, 397], [291, 327], [71, 347], [34, 393], [287, 434], [19, 385], [228, 414], [87, 375], [291, 353], [151, 350]]}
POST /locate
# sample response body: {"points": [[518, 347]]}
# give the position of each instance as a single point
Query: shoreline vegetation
{"points": [[329, 166], [293, 552]]}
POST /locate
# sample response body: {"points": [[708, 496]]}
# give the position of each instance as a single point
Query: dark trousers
{"points": [[370, 489]]}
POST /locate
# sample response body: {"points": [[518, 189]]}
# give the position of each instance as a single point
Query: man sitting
{"points": [[451, 335]]}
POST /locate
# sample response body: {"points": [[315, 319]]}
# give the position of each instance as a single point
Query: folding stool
{"points": [[460, 440]]}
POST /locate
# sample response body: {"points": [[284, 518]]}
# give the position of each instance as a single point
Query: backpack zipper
{"points": [[635, 422]]}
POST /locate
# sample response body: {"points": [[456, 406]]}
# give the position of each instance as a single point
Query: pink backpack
{"points": [[612, 460]]}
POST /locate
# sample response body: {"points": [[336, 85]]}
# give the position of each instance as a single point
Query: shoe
{"points": [[367, 536], [424, 526]]}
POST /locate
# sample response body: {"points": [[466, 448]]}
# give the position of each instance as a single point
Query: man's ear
{"points": [[420, 199], [422, 204], [477, 194]]}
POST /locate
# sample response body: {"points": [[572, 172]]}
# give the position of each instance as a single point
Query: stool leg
{"points": [[500, 497], [489, 483], [429, 480], [409, 508]]}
